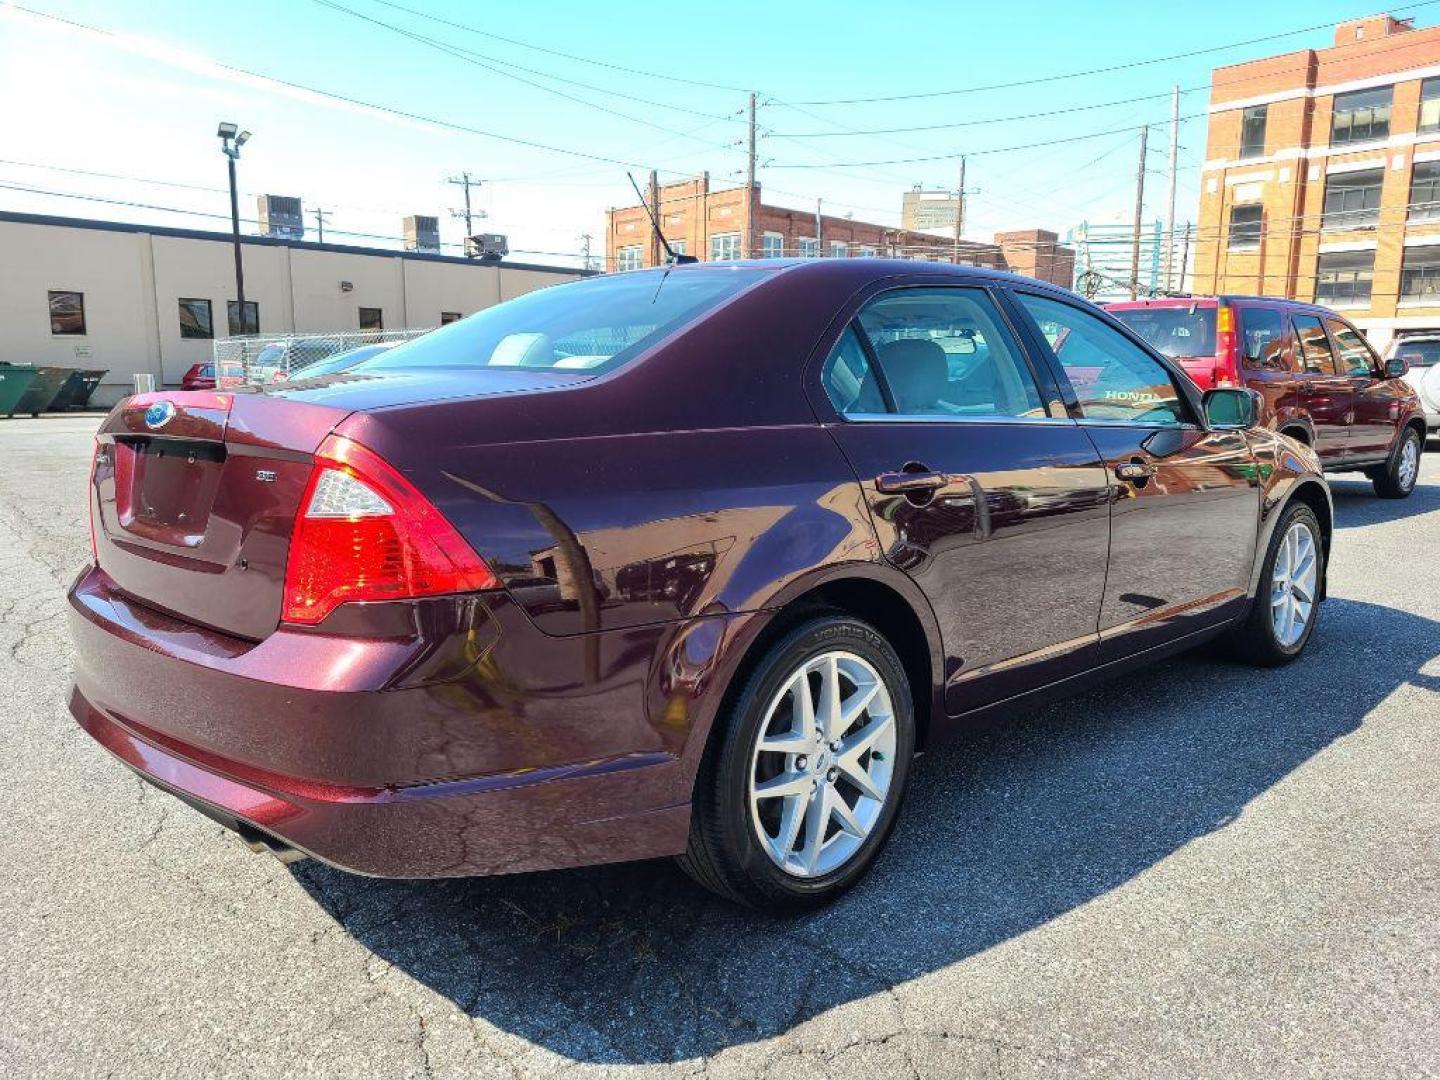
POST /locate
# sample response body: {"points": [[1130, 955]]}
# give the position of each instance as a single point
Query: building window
{"points": [[447, 317], [809, 247], [1425, 191], [867, 252], [1361, 116], [1429, 105], [1245, 225], [629, 258], [1420, 274], [195, 319], [1343, 278], [1252, 132], [252, 317], [839, 249], [67, 312], [1352, 199], [725, 246], [772, 245], [371, 318], [680, 247]]}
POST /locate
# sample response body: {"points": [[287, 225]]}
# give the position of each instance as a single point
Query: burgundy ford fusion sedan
{"points": [[668, 563]]}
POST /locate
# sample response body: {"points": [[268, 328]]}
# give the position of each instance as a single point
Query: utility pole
{"points": [[1184, 257], [585, 239], [819, 249], [655, 246], [959, 210], [750, 199], [320, 216], [1170, 211], [466, 181], [1139, 212]]}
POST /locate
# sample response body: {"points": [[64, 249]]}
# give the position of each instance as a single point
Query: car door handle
{"points": [[902, 483], [1134, 470]]}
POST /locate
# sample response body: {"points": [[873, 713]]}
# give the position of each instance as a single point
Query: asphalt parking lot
{"points": [[1201, 870]]}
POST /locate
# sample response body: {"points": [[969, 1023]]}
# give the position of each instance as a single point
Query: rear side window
{"points": [[1314, 351], [596, 324], [943, 352], [1181, 333], [849, 380], [1262, 332], [1113, 377]]}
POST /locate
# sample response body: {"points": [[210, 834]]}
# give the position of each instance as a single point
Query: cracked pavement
{"points": [[1199, 870]]}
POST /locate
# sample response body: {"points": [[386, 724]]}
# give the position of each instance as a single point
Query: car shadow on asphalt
{"points": [[1357, 504], [1003, 831]]}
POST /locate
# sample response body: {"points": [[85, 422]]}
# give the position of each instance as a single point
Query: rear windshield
{"points": [[592, 325], [1417, 353], [1177, 332]]}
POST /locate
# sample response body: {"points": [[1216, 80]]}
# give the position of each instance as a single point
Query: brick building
{"points": [[723, 224], [1322, 177]]}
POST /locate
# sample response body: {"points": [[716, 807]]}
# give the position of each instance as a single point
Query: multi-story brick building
{"points": [[723, 224], [1322, 177]]}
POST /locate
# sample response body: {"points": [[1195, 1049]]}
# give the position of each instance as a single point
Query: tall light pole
{"points": [[232, 138]]}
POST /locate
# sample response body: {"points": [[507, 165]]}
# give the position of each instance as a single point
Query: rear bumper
{"points": [[343, 754]]}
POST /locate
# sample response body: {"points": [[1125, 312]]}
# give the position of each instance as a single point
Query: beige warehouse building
{"points": [[139, 298]]}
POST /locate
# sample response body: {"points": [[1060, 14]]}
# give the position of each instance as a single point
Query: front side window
{"points": [[1315, 355], [1245, 226], [1114, 378], [944, 352], [773, 245], [1417, 352], [1420, 274], [724, 246], [251, 324], [1344, 278], [1425, 191], [195, 319], [372, 318], [67, 312], [1252, 132], [594, 324], [1351, 349], [1429, 119], [1262, 330], [1352, 199], [1361, 116], [629, 258]]}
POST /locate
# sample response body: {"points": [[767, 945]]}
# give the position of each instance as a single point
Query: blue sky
{"points": [[143, 99]]}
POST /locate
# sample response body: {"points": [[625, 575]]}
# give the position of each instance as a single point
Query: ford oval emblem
{"points": [[159, 414]]}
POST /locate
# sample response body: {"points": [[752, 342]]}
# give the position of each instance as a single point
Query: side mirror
{"points": [[1395, 367], [1230, 408]]}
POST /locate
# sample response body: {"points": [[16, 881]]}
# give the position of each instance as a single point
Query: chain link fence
{"points": [[260, 359]]}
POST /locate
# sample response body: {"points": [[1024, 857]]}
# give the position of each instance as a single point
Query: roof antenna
{"points": [[675, 260]]}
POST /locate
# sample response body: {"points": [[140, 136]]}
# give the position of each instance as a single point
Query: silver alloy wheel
{"points": [[821, 769], [1292, 584], [1409, 466]]}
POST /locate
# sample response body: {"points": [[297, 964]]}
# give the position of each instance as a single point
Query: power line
{"points": [[1108, 69]]}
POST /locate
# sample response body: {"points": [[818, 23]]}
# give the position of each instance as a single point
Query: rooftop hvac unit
{"points": [[281, 216], [422, 233], [487, 247]]}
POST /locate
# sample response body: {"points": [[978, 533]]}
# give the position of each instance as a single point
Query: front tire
{"points": [[1396, 478], [1287, 602], [802, 782]]}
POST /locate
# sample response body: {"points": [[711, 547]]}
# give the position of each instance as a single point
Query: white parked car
{"points": [[1421, 350]]}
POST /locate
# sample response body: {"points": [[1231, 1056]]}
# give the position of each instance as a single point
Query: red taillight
{"points": [[365, 533], [1227, 367]]}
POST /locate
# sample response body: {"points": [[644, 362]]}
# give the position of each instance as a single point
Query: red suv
{"points": [[1321, 381]]}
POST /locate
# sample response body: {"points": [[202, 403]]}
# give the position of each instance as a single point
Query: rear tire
{"points": [[1265, 638], [1396, 478], [781, 816]]}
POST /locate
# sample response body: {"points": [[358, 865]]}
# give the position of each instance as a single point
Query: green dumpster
{"points": [[75, 394], [38, 395], [15, 379]]}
